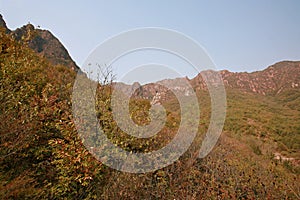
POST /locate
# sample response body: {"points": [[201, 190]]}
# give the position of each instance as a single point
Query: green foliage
{"points": [[42, 156], [38, 138]]}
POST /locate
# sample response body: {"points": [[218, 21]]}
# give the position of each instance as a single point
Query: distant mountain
{"points": [[43, 42], [274, 80]]}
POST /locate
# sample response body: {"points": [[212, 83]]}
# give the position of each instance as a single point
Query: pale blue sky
{"points": [[238, 35]]}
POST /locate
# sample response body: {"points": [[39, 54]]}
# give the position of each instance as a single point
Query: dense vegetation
{"points": [[42, 157]]}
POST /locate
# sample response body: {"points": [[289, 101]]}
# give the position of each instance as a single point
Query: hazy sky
{"points": [[238, 35]]}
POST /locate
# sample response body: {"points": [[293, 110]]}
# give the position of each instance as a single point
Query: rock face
{"points": [[271, 81], [128, 90], [44, 43], [3, 24], [274, 80]]}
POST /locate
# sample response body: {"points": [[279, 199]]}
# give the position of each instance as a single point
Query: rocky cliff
{"points": [[274, 80], [43, 42]]}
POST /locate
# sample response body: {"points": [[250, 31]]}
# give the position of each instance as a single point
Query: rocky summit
{"points": [[43, 42]]}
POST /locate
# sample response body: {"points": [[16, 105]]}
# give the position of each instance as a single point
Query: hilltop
{"points": [[43, 42]]}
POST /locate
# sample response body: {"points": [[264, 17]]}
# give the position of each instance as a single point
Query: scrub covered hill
{"points": [[42, 157], [38, 141]]}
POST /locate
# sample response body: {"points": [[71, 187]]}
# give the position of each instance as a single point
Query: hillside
{"points": [[43, 42], [42, 157], [273, 81]]}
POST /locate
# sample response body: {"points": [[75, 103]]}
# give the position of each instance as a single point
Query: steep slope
{"points": [[43, 42], [273, 80], [281, 81], [3, 24], [36, 127], [42, 157]]}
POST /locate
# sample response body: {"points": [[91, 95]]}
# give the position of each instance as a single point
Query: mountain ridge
{"points": [[43, 42], [274, 80]]}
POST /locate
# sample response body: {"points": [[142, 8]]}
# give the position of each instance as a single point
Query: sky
{"points": [[237, 35]]}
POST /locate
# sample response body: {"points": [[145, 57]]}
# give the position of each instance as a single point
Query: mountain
{"points": [[43, 42], [43, 157], [273, 80], [277, 80]]}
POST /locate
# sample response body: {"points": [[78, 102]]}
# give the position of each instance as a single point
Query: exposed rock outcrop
{"points": [[271, 81], [43, 42], [3, 24], [274, 80]]}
